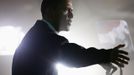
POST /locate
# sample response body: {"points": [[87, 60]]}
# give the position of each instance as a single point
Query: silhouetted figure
{"points": [[42, 47]]}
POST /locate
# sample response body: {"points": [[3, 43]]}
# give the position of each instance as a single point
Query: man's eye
{"points": [[65, 12]]}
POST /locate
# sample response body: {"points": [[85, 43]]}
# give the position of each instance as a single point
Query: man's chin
{"points": [[64, 29]]}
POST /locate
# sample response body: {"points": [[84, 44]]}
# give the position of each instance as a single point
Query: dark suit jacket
{"points": [[42, 47]]}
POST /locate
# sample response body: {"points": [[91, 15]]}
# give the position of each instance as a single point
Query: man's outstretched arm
{"points": [[77, 56]]}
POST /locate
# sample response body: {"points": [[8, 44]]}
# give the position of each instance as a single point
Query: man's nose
{"points": [[70, 14]]}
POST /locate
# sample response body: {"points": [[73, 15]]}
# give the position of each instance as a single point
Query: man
{"points": [[42, 47]]}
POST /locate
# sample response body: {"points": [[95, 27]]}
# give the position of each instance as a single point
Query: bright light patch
{"points": [[91, 70], [114, 32], [10, 37]]}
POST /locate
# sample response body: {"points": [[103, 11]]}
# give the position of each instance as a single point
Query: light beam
{"points": [[10, 37]]}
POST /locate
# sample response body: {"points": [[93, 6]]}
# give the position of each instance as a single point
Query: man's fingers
{"points": [[122, 61], [122, 52], [119, 57], [118, 64], [120, 46], [124, 57]]}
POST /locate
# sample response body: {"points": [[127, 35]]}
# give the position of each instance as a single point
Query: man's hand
{"points": [[119, 57]]}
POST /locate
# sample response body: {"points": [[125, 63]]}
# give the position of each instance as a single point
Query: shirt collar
{"points": [[50, 25]]}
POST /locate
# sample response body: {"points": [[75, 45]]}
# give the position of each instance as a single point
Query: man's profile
{"points": [[42, 46]]}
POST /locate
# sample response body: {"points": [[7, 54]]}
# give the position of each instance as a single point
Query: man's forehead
{"points": [[69, 4]]}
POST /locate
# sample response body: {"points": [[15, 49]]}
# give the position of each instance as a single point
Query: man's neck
{"points": [[52, 25]]}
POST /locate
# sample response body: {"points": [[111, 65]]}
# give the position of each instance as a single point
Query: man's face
{"points": [[66, 17]]}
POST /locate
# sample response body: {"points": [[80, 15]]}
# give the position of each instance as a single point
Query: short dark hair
{"points": [[49, 6]]}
